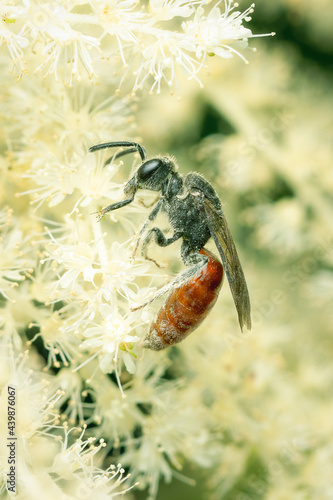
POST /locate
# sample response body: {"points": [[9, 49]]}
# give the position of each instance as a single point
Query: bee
{"points": [[195, 214]]}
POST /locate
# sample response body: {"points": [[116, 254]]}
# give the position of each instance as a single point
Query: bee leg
{"points": [[196, 260], [160, 239], [153, 214], [113, 206]]}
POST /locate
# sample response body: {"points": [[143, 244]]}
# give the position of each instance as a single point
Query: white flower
{"points": [[120, 272], [68, 51], [119, 19], [78, 261], [217, 33], [34, 392], [15, 43], [77, 457], [76, 464], [53, 178], [18, 313], [62, 348], [58, 177], [14, 246], [162, 58], [164, 10], [73, 404], [111, 336], [66, 121]]}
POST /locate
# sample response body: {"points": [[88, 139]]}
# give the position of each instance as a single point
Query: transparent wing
{"points": [[223, 240]]}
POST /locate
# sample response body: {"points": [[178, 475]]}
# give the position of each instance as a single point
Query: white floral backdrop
{"points": [[225, 414]]}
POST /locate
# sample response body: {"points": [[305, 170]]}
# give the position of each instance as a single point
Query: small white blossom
{"points": [[216, 33], [161, 60], [119, 19], [14, 43], [35, 394], [66, 52], [112, 336], [62, 348], [14, 246], [67, 120], [78, 262], [65, 49], [76, 409], [77, 457], [58, 178], [164, 10], [74, 471]]}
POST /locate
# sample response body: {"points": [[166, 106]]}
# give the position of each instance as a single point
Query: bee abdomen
{"points": [[186, 307]]}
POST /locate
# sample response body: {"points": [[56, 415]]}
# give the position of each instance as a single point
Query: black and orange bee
{"points": [[195, 214]]}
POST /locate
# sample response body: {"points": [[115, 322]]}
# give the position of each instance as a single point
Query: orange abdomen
{"points": [[187, 306]]}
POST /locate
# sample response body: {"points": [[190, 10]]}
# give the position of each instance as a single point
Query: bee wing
{"points": [[219, 231]]}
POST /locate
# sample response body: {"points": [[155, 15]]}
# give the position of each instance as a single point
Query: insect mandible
{"points": [[195, 214]]}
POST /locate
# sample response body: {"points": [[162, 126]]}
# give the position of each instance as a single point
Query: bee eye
{"points": [[148, 168]]}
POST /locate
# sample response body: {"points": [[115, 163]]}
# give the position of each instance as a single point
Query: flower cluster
{"points": [[71, 38], [69, 470]]}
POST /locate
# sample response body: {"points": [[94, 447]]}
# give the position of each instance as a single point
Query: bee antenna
{"points": [[133, 147]]}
